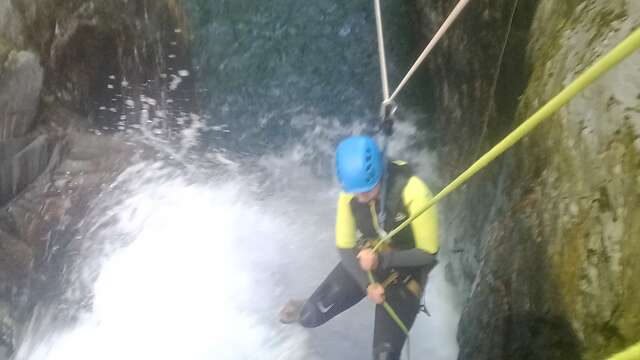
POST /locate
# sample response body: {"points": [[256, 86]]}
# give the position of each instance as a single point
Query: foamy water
{"points": [[209, 262]]}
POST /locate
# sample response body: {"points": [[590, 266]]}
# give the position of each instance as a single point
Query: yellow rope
{"points": [[615, 56], [394, 316], [632, 353]]}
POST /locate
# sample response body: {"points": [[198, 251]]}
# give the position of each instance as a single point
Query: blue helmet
{"points": [[359, 164]]}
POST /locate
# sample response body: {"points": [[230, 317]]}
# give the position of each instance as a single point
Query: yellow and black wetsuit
{"points": [[410, 255], [415, 246]]}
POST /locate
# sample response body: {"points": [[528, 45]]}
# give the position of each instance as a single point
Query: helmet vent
{"points": [[358, 164]]}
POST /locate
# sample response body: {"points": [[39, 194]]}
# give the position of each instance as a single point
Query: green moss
{"points": [[570, 260], [629, 317], [5, 49], [603, 21], [592, 254]]}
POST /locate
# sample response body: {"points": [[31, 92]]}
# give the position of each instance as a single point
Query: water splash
{"points": [[202, 259], [185, 286]]}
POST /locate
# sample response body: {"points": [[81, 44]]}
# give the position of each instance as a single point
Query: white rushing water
{"points": [[208, 263]]}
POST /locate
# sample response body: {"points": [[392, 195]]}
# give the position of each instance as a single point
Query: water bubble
{"points": [[175, 82], [345, 30]]}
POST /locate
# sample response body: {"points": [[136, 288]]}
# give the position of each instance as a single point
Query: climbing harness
{"points": [[392, 313], [411, 284], [606, 63]]}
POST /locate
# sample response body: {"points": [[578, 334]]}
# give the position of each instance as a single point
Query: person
{"points": [[401, 266]]}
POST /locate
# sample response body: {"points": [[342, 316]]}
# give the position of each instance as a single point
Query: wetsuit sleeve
{"points": [[415, 196], [346, 240], [425, 227], [407, 258]]}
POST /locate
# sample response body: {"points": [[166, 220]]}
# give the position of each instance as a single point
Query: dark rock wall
{"points": [[67, 67], [541, 243], [20, 86], [97, 53]]}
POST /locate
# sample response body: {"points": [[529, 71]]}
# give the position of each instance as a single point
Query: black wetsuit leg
{"points": [[338, 292], [388, 338]]}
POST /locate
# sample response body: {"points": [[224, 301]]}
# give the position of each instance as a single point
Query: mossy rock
{"points": [[5, 49]]}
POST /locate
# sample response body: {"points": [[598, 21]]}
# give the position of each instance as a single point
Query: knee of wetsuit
{"points": [[332, 293], [385, 351], [309, 316]]}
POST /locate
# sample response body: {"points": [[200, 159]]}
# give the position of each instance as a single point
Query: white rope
{"points": [[388, 100], [443, 29], [383, 60], [385, 95]]}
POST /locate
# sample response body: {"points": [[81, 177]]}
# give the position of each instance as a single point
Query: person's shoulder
{"points": [[416, 187]]}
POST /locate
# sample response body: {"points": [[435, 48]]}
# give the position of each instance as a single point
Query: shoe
{"points": [[290, 312]]}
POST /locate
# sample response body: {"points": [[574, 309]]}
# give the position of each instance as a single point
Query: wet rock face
{"points": [[20, 85], [22, 157], [98, 53], [89, 56], [586, 190], [541, 244], [11, 30], [66, 66]]}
